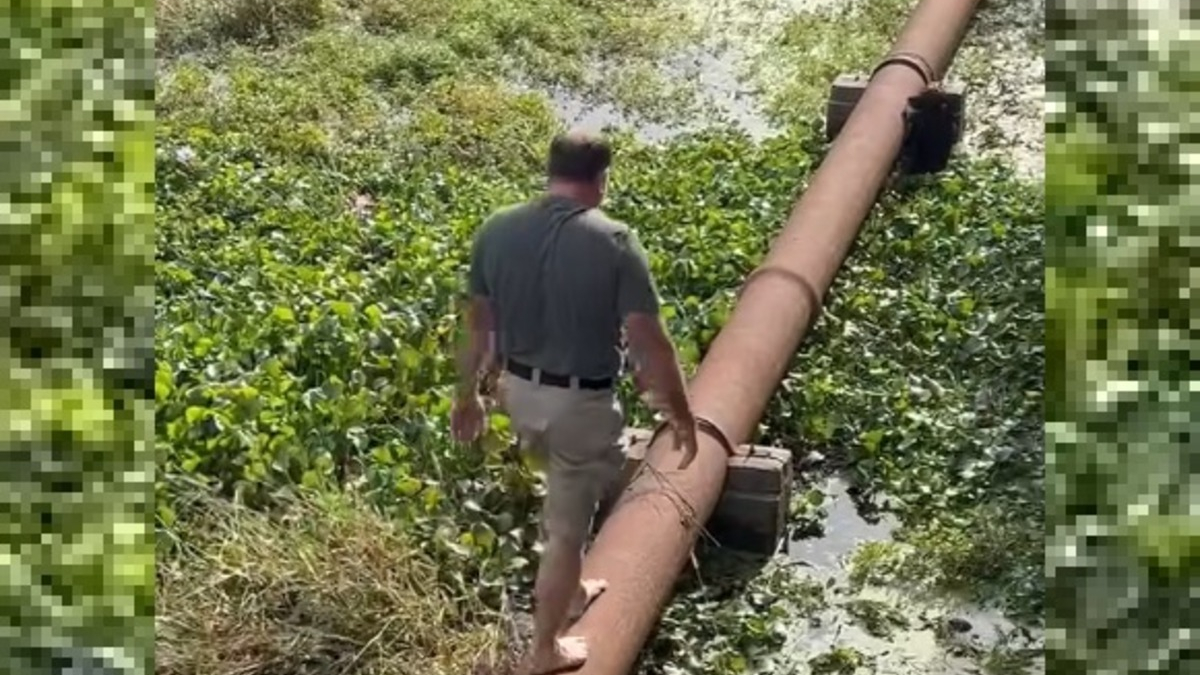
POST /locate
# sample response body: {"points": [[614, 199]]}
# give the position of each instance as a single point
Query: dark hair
{"points": [[578, 156]]}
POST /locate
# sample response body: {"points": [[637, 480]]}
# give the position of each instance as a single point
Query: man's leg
{"points": [[559, 592], [583, 445], [556, 586], [586, 590]]}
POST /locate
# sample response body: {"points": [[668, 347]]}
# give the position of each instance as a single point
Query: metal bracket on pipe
{"points": [[635, 466], [912, 60], [702, 424], [932, 119], [933, 122], [806, 288]]}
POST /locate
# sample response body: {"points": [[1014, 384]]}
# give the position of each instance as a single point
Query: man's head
{"points": [[578, 166]]}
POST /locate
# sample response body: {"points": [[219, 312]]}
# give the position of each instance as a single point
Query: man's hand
{"points": [[683, 430], [467, 418], [681, 421]]}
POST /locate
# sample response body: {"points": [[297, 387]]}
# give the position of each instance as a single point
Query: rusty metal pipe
{"points": [[647, 538]]}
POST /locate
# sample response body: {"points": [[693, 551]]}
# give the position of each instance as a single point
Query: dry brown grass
{"points": [[329, 588]]}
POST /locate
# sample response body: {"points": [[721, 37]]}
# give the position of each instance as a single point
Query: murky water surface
{"points": [[723, 96], [1002, 69], [939, 639], [844, 531]]}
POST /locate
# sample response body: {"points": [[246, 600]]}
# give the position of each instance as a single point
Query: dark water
{"points": [[941, 638], [845, 530]]}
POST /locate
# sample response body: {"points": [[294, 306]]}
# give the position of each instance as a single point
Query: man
{"points": [[552, 283]]}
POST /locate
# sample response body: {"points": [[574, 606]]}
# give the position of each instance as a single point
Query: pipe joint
{"points": [[704, 425], [911, 59]]}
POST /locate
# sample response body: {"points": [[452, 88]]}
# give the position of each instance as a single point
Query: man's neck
{"points": [[574, 192]]}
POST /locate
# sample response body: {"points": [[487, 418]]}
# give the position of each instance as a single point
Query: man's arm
{"points": [[653, 351], [658, 361], [477, 349], [477, 346]]}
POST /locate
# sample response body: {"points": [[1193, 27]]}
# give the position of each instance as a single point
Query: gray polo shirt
{"points": [[561, 279]]}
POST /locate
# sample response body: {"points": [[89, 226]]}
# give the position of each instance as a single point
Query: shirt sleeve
{"points": [[636, 290], [476, 280]]}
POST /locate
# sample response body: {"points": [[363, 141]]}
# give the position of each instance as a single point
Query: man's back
{"points": [[561, 278]]}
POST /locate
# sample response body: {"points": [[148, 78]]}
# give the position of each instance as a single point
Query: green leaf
{"points": [[343, 309], [484, 537], [408, 486], [163, 385], [284, 315], [433, 497], [202, 347], [374, 316], [872, 439], [166, 515]]}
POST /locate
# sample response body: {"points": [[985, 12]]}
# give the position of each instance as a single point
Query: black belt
{"points": [[525, 372]]}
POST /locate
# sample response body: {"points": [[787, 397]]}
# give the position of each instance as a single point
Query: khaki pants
{"points": [[575, 434]]}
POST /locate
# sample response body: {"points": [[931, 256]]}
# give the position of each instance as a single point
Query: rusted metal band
{"points": [[702, 424], [805, 286], [912, 60]]}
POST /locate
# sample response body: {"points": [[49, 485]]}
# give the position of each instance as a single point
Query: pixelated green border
{"points": [[76, 360], [1123, 549]]}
